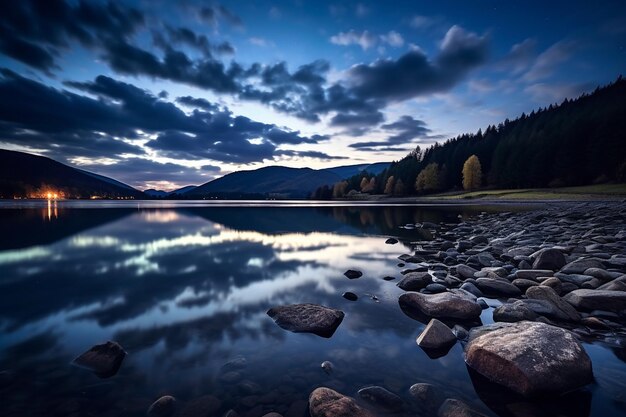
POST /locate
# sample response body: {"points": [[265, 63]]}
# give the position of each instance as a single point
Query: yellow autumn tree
{"points": [[371, 186], [339, 189], [389, 185], [364, 183], [472, 173], [428, 178]]}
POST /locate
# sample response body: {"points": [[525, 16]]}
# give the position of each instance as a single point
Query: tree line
{"points": [[577, 142]]}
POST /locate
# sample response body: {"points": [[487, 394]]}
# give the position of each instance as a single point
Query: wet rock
{"points": [[524, 284], [512, 313], [436, 335], [594, 323], [324, 402], [163, 407], [552, 259], [230, 377], [381, 398], [586, 299], [533, 274], [465, 271], [272, 414], [352, 274], [581, 265], [553, 283], [235, 364], [454, 305], [548, 294], [434, 288], [391, 241], [350, 296], [328, 367], [529, 358], [428, 397], [103, 360], [307, 318], [415, 281], [497, 287], [460, 332], [472, 289], [457, 408], [201, 407], [388, 278]]}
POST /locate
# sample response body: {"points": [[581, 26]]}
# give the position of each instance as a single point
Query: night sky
{"points": [[165, 94]]}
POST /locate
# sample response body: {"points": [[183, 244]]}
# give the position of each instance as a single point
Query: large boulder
{"points": [[453, 305], [548, 294], [436, 335], [324, 402], [307, 318], [415, 281], [103, 360], [552, 259], [587, 299], [530, 358]]}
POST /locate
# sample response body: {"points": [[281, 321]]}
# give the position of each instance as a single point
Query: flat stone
{"points": [[581, 265], [533, 274], [497, 287], [454, 305], [465, 271], [103, 360], [546, 293], [524, 284], [415, 281], [436, 335], [325, 402], [530, 358], [381, 398], [307, 318], [586, 299], [512, 313]]}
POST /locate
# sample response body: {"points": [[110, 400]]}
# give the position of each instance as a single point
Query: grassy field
{"points": [[588, 192]]}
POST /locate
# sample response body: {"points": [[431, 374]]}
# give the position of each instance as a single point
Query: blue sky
{"points": [[165, 94]]}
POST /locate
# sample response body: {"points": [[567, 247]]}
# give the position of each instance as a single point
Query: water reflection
{"points": [[186, 290]]}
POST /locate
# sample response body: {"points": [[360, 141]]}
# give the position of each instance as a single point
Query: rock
{"points": [[533, 274], [350, 296], [202, 406], [352, 274], [460, 332], [613, 286], [576, 279], [546, 293], [456, 408], [543, 308], [103, 360], [552, 259], [465, 271], [436, 335], [435, 288], [230, 377], [388, 278], [512, 313], [272, 414], [497, 287], [391, 241], [307, 318], [163, 407], [594, 323], [581, 265], [472, 289], [427, 396], [597, 300], [381, 398], [231, 413], [415, 281], [324, 402], [524, 284], [235, 364], [553, 283], [529, 358], [601, 274], [328, 367], [454, 305]]}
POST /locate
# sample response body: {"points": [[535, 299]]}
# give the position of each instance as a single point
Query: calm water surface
{"points": [[185, 289]]}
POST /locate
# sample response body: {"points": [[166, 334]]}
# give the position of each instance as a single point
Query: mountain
{"points": [[162, 194], [283, 181], [26, 175]]}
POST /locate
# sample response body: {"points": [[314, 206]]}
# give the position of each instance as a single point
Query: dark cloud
{"points": [[407, 131], [187, 37], [200, 103], [34, 32], [75, 125]]}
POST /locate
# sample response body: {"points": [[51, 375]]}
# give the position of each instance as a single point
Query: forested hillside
{"points": [[577, 142]]}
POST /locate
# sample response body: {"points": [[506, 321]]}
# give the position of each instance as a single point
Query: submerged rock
{"points": [[529, 358], [436, 335], [350, 296], [454, 305], [163, 407], [307, 318], [328, 367], [324, 402], [428, 397], [103, 360], [381, 398], [391, 241], [202, 406], [352, 274], [457, 408]]}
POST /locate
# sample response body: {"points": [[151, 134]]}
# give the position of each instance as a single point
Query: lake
{"points": [[184, 287]]}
